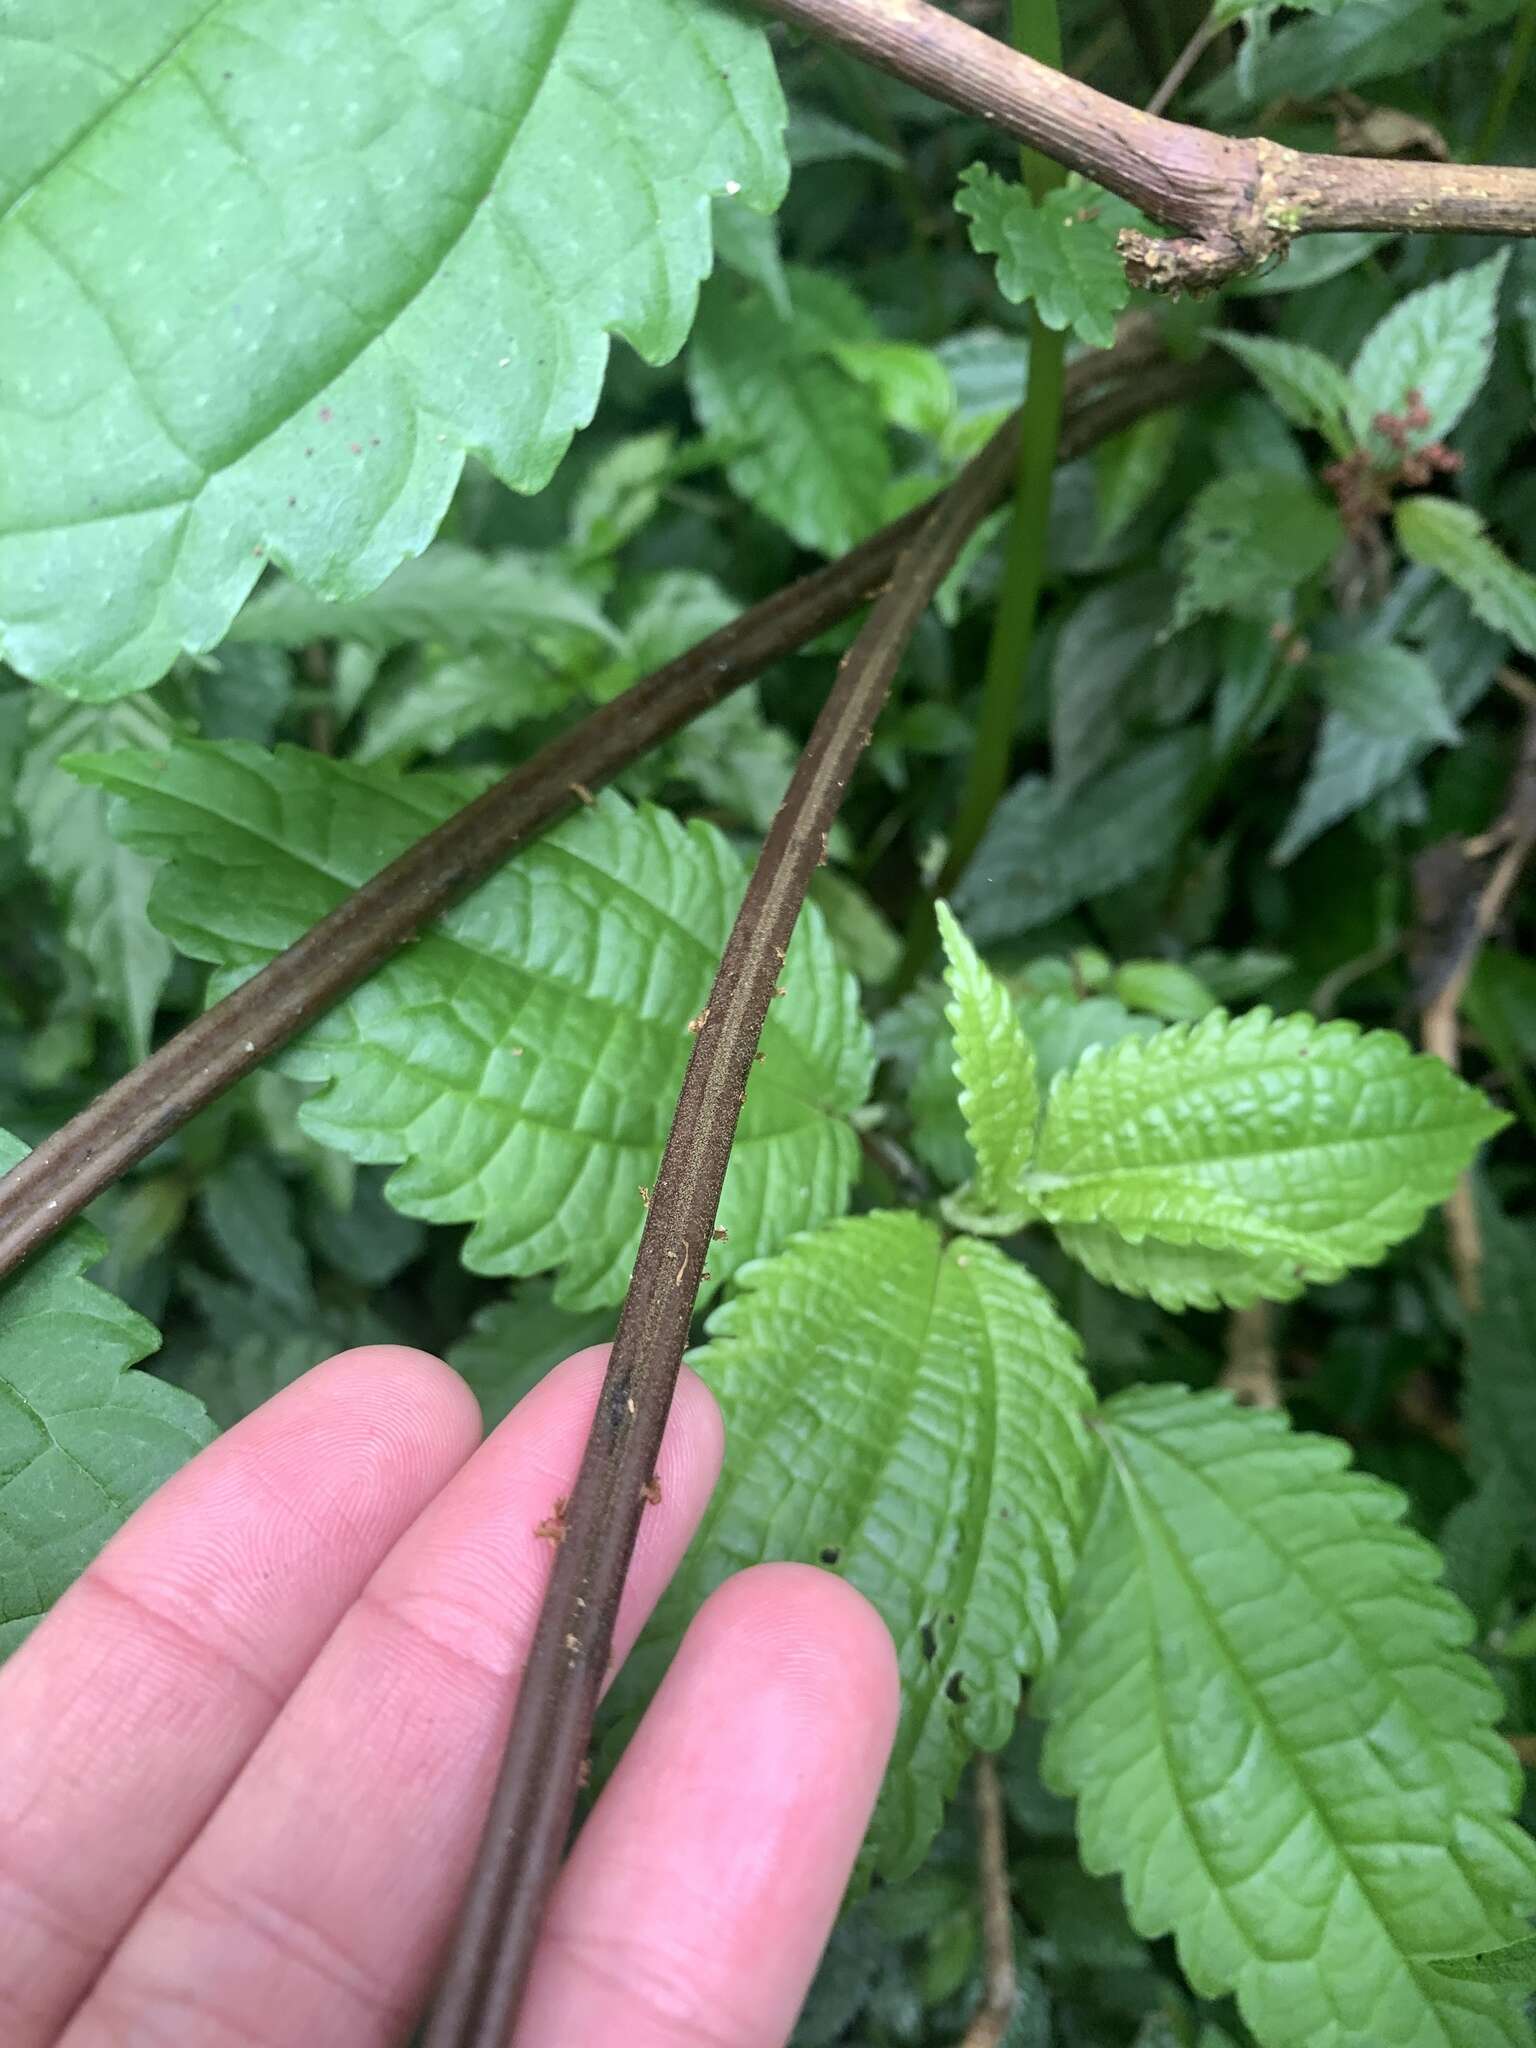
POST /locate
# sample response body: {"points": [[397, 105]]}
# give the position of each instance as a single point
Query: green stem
{"points": [[1037, 33], [1509, 83]]}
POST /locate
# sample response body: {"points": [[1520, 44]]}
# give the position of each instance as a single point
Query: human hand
{"points": [[245, 1760]]}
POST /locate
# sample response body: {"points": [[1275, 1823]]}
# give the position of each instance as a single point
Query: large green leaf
{"points": [[270, 269], [910, 1415], [808, 437], [1243, 1158], [104, 885], [1263, 1705], [1437, 342], [83, 1439], [1452, 538], [522, 1059]]}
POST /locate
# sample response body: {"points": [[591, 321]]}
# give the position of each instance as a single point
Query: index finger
{"points": [[136, 1702]]}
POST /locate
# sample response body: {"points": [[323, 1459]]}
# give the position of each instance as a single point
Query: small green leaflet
{"points": [[1264, 1708], [910, 1415], [451, 598], [1452, 538], [83, 1438], [995, 1066], [235, 336], [1387, 690], [521, 1060], [1248, 539], [1046, 849], [1310, 389], [104, 886], [1058, 255], [811, 437], [1437, 342], [1245, 1158]]}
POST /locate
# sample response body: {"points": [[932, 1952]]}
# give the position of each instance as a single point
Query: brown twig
{"points": [[1252, 1371], [551, 1724], [1238, 199], [1000, 1990], [70, 1168], [1462, 889]]}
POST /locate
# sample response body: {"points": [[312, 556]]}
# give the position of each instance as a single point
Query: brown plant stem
{"points": [[1238, 199], [69, 1169], [551, 1724], [1000, 1989], [1462, 891]]}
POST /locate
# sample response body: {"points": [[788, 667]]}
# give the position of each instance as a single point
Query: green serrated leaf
{"points": [[1292, 1150], [521, 1060], [1452, 538], [811, 438], [910, 1415], [1057, 254], [1264, 1708], [1437, 342], [1104, 649], [83, 1439], [1248, 540], [995, 1066], [236, 336], [1309, 388], [104, 886], [512, 1344], [1044, 851], [427, 706], [1386, 690], [451, 598]]}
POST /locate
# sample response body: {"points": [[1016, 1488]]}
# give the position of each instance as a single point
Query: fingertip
{"points": [[815, 1636], [392, 1390]]}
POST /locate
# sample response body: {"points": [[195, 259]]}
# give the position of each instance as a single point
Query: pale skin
{"points": [[246, 1757]]}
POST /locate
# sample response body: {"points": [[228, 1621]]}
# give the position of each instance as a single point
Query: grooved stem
{"points": [[536, 1795]]}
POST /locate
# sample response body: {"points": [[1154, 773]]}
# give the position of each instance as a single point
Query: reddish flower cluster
{"points": [[1363, 485]]}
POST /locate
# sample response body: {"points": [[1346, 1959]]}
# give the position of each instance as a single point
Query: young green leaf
{"points": [[1387, 690], [285, 348], [811, 438], [104, 886], [1058, 254], [910, 1415], [83, 1438], [1437, 343], [995, 1066], [1452, 538], [522, 1059], [1241, 1159], [1309, 388], [1263, 1705], [1044, 851], [1248, 539]]}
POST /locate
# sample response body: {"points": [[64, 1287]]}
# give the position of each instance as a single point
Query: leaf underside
{"points": [[271, 269]]}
